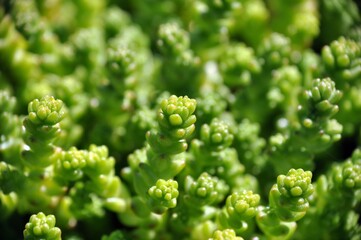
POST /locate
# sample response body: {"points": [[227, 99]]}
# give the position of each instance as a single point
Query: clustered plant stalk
{"points": [[195, 120]]}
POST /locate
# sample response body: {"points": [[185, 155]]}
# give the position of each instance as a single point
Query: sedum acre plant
{"points": [[195, 120]]}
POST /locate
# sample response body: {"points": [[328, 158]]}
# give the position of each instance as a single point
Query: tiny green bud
{"points": [[226, 234], [202, 191], [41, 226], [163, 194], [216, 135], [347, 175], [297, 183], [46, 111], [176, 116], [242, 206]]}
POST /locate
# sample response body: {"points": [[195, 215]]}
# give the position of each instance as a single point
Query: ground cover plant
{"points": [[180, 119]]}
